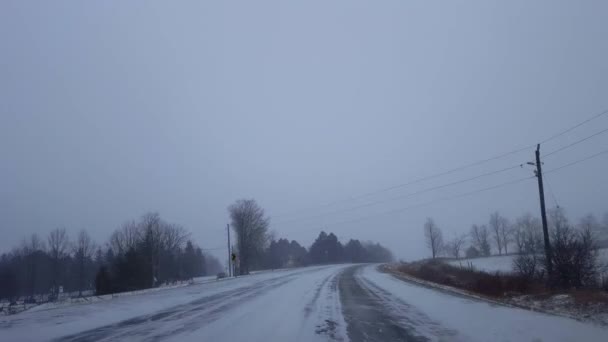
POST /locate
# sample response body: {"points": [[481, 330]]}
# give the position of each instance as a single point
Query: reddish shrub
{"points": [[494, 285]]}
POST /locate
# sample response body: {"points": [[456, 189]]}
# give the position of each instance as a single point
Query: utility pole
{"points": [[543, 214], [229, 252]]}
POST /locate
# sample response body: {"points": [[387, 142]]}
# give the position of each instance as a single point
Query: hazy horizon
{"points": [[113, 109]]}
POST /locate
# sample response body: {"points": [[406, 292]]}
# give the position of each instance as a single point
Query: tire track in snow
{"points": [[309, 307], [366, 315], [330, 321], [407, 315], [181, 318]]}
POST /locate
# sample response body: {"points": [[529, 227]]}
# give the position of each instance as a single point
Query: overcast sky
{"points": [[111, 109]]}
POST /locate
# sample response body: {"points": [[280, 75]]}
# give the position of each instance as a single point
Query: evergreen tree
{"points": [[103, 283]]}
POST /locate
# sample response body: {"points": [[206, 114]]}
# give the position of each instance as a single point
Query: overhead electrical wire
{"points": [[398, 210], [550, 189], [415, 181], [401, 196], [576, 142], [463, 167], [575, 126], [565, 166], [576, 162], [469, 193]]}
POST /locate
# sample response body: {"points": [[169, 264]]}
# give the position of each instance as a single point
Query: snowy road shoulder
{"points": [[473, 320], [73, 320], [326, 303]]}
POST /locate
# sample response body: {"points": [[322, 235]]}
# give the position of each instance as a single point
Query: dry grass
{"points": [[582, 304], [585, 297], [493, 285]]}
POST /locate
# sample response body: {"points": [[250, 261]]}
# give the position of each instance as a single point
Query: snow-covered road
{"points": [[329, 303]]}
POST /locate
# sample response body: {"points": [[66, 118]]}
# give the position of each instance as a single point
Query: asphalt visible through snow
{"points": [[366, 314], [325, 303], [182, 319], [365, 317]]}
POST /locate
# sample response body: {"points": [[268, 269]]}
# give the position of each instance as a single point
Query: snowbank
{"points": [[53, 322], [504, 263], [455, 318]]}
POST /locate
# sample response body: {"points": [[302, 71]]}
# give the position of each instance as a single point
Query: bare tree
{"points": [[480, 237], [519, 237], [499, 228], [158, 242], [505, 233], [125, 238], [433, 236], [59, 244], [454, 246], [30, 250], [574, 257], [589, 222], [34, 243], [83, 252], [151, 227], [527, 234], [174, 237], [557, 218], [528, 265], [251, 227]]}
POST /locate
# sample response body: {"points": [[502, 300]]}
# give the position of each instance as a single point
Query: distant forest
{"points": [[138, 255], [149, 253], [326, 249]]}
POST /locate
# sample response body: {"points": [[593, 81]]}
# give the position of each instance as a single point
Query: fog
{"points": [[112, 109]]}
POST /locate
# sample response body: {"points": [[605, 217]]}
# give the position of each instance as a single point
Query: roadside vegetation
{"points": [[590, 304], [577, 286], [151, 252], [140, 254], [574, 248]]}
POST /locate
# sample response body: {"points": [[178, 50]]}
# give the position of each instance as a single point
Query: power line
{"points": [[550, 189], [419, 180], [471, 192], [576, 142], [575, 126], [460, 168], [394, 211], [402, 196], [577, 161]]}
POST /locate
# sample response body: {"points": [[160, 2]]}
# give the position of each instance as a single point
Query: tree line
{"points": [[150, 252], [502, 236], [574, 256], [326, 249], [138, 255], [258, 249]]}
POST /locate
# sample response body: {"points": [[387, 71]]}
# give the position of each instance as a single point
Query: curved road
{"points": [[330, 303]]}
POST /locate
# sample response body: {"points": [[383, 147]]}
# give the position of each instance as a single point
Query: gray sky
{"points": [[111, 109]]}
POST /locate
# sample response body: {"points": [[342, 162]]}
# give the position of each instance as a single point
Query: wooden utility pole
{"points": [[543, 214], [229, 252]]}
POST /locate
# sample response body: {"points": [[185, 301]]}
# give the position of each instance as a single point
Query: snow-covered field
{"points": [[328, 303], [504, 263], [491, 264]]}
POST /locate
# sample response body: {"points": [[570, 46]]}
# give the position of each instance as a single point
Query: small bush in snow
{"points": [[528, 266], [574, 258]]}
